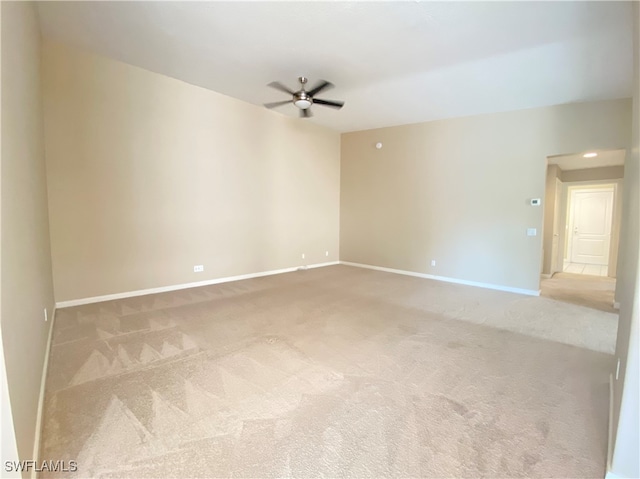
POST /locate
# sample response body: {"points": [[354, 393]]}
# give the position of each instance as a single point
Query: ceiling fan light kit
{"points": [[303, 99]]}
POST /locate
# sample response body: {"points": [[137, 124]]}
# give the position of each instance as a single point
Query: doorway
{"points": [[582, 215], [589, 229]]}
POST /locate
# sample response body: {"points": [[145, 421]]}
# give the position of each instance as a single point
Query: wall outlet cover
{"points": [[198, 268]]}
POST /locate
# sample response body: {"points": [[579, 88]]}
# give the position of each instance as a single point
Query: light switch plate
{"points": [[532, 232]]}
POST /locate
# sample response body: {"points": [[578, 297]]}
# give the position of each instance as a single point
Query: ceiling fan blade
{"points": [[276, 103], [279, 86], [320, 86], [306, 113], [331, 103]]}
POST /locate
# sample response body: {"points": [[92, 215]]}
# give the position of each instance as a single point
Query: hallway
{"points": [[595, 292]]}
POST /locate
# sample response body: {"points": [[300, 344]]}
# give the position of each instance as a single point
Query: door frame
{"points": [[557, 259], [615, 226]]}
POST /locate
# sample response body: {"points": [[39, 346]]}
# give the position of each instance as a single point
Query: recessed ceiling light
{"points": [[590, 155]]}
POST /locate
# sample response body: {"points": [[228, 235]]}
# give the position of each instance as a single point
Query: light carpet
{"points": [[331, 372], [595, 292]]}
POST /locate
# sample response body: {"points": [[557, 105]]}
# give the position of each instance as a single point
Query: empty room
{"points": [[319, 239]]}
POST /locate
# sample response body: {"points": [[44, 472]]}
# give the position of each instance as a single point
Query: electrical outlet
{"points": [[433, 262], [302, 255], [199, 268], [46, 316], [532, 231], [326, 253]]}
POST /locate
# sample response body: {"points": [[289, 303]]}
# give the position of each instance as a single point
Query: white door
{"points": [[591, 235]]}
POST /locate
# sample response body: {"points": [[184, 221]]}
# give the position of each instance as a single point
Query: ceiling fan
{"points": [[302, 98]]}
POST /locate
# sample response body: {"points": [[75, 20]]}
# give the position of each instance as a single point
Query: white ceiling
{"points": [[578, 162], [392, 62]]}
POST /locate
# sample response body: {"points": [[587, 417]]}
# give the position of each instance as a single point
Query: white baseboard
{"points": [[176, 287], [43, 383], [616, 305], [546, 275], [528, 292], [322, 265]]}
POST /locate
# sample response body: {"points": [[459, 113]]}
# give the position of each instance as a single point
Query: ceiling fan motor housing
{"points": [[302, 100]]}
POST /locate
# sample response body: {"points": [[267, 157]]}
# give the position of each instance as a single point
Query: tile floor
{"points": [[590, 269]]}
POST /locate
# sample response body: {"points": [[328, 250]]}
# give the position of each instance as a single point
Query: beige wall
{"points": [[591, 174], [26, 285], [149, 176], [626, 402], [458, 190]]}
